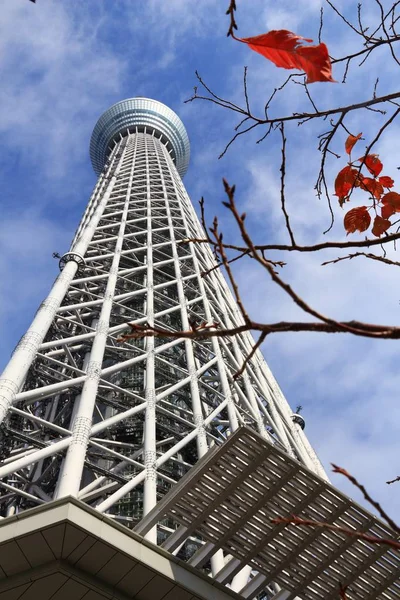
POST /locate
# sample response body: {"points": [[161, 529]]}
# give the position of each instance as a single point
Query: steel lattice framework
{"points": [[117, 424]]}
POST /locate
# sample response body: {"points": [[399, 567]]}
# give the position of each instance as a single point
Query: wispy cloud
{"points": [[49, 78], [27, 241]]}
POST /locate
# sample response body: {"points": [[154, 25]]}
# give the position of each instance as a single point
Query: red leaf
{"points": [[372, 186], [380, 226], [346, 179], [357, 219], [342, 591], [284, 49], [392, 199], [387, 182], [372, 163], [351, 140], [387, 211]]}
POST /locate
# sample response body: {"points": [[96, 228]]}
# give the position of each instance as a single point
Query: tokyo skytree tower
{"points": [[117, 424]]}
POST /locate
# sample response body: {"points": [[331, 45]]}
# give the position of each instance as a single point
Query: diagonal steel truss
{"points": [[117, 424]]}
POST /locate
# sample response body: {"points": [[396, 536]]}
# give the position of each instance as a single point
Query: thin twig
{"points": [[246, 95], [283, 173], [224, 259], [250, 355], [368, 498], [297, 248], [321, 180], [231, 13], [367, 255], [372, 539], [336, 10], [295, 116], [321, 23], [393, 480]]}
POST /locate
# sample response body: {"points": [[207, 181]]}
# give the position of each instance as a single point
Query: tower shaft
{"points": [[116, 423]]}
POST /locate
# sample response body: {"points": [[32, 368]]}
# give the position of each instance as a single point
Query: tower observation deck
{"points": [[140, 115], [117, 425]]}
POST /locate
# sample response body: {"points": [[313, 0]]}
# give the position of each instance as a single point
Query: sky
{"points": [[62, 64]]}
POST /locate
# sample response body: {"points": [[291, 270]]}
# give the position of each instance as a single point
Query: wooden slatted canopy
{"points": [[229, 499]]}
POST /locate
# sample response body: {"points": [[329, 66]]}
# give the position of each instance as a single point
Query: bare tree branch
{"points": [[367, 497], [393, 480], [283, 172], [307, 248], [231, 13], [372, 539], [305, 116], [387, 261]]}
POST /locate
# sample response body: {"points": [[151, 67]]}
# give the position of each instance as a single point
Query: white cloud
{"points": [[52, 66], [289, 16], [27, 242]]}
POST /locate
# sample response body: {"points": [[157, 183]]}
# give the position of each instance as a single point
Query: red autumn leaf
{"points": [[380, 226], [372, 186], [351, 140], [387, 211], [392, 199], [372, 163], [285, 50], [346, 179], [387, 182], [357, 219]]}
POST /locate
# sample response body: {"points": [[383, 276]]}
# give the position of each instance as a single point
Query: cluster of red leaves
{"points": [[286, 50], [350, 177]]}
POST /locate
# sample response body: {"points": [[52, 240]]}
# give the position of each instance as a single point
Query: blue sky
{"points": [[63, 63]]}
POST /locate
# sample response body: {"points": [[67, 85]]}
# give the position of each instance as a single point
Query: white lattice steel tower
{"points": [[116, 424]]}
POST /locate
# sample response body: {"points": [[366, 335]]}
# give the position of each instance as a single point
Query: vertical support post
{"points": [[233, 420], [71, 472], [150, 482]]}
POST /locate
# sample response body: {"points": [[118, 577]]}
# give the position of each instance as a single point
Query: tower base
{"points": [[66, 550]]}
